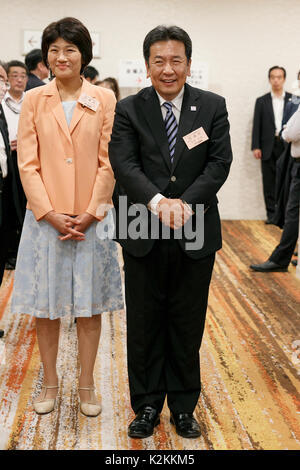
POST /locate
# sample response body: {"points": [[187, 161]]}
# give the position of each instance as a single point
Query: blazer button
{"points": [[173, 179], [69, 160]]}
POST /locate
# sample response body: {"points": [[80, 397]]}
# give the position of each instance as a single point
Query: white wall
{"points": [[240, 39]]}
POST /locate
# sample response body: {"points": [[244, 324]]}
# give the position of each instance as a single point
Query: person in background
{"points": [[91, 74], [36, 68], [112, 84], [9, 204], [282, 255], [3, 175], [267, 145], [17, 73], [64, 131]]}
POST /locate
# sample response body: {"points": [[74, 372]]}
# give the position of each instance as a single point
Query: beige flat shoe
{"points": [[90, 408], [45, 405]]}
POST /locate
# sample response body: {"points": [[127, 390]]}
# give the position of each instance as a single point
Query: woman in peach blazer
{"points": [[62, 266]]}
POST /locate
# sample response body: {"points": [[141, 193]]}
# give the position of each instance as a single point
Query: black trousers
{"points": [[283, 253], [268, 168], [166, 301], [16, 226], [5, 223]]}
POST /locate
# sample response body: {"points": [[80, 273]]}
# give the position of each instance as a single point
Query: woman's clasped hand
{"points": [[70, 228]]}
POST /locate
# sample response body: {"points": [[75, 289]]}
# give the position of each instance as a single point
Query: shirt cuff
{"points": [[152, 205]]}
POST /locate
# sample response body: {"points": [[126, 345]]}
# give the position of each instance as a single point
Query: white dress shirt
{"points": [[278, 106], [12, 109], [176, 108], [291, 133], [3, 157]]}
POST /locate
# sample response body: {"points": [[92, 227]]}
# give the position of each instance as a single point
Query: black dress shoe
{"points": [[294, 262], [269, 222], [268, 267], [144, 423], [186, 425]]}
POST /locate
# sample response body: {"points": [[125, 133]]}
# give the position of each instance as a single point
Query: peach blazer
{"points": [[63, 168]]}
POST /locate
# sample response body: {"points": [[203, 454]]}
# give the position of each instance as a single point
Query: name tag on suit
{"points": [[88, 102], [195, 138]]}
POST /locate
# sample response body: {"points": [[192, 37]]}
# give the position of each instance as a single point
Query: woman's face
{"points": [[64, 59]]}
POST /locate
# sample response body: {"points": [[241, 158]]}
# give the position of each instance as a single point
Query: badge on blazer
{"points": [[88, 101]]}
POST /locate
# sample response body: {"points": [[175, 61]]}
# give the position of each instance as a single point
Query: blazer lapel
{"points": [[189, 111], [269, 107], [80, 110], [153, 115], [54, 102], [55, 105]]}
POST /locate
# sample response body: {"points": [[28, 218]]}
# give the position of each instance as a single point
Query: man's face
{"points": [[277, 79], [17, 78], [3, 83], [168, 68]]}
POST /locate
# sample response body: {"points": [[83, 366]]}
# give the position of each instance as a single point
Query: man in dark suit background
{"points": [[166, 283], [266, 142], [288, 194], [9, 203], [37, 69]]}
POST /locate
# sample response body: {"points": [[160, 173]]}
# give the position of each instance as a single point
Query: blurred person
{"points": [[8, 191], [91, 74], [267, 145], [17, 76], [64, 131], [282, 255], [111, 84], [36, 68]]}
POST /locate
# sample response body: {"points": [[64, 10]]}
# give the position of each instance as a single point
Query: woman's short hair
{"points": [[166, 33], [73, 31]]}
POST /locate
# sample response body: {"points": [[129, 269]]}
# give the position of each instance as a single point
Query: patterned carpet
{"points": [[250, 360]]}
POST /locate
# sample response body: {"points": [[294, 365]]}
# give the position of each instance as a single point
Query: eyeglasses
{"points": [[16, 76], [4, 84]]}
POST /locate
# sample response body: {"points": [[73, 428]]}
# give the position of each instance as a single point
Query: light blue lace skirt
{"points": [[54, 278]]}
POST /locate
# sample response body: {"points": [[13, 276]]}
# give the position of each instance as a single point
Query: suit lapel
{"points": [[80, 110], [269, 107], [287, 98], [187, 118], [153, 115], [55, 105]]}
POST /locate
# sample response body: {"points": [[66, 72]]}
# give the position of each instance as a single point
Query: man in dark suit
{"points": [[266, 142], [37, 69], [9, 203], [287, 209], [166, 281]]}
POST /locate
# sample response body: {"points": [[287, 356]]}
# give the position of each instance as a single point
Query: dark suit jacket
{"points": [[284, 166], [140, 158], [11, 179], [290, 108], [263, 131], [33, 82]]}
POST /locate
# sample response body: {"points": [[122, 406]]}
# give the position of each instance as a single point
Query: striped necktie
{"points": [[171, 128]]}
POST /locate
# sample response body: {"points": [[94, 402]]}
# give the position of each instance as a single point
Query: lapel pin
{"points": [[193, 108]]}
